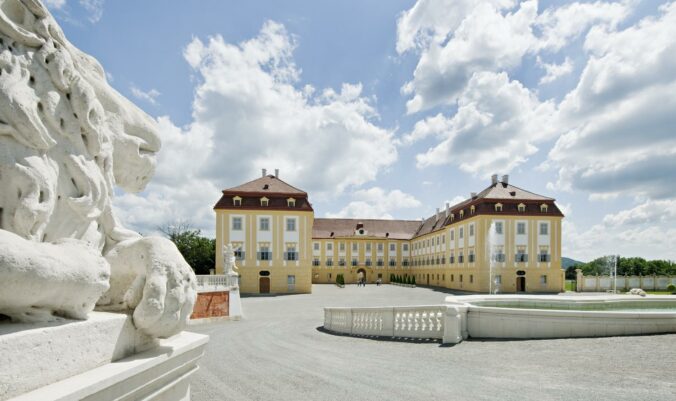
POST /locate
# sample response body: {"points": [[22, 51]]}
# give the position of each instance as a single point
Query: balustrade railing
{"points": [[215, 282], [418, 322]]}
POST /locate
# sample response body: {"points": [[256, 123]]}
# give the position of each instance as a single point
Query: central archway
{"points": [[361, 274]]}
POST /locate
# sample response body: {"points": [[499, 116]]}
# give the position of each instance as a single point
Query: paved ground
{"points": [[277, 353]]}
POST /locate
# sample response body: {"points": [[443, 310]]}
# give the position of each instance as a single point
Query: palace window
{"points": [[472, 209], [290, 224], [498, 227], [355, 262], [393, 248], [521, 208], [237, 201], [498, 279], [341, 262], [462, 214], [264, 224], [237, 224], [498, 207], [291, 253], [355, 248], [452, 235], [393, 262], [471, 230], [543, 279], [367, 262], [239, 253], [451, 259], [265, 201], [341, 247], [315, 246], [404, 247], [544, 229], [521, 256], [329, 246], [471, 256], [543, 208], [291, 202], [461, 233], [264, 253], [329, 262], [405, 262], [460, 258], [544, 255], [315, 262], [368, 247], [521, 228], [380, 262], [380, 247]]}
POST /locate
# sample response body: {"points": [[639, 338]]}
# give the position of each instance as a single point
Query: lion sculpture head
{"points": [[66, 136], [67, 139]]}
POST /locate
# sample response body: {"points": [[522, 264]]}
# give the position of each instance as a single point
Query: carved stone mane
{"points": [[66, 140]]}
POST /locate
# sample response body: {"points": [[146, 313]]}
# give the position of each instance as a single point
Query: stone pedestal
{"points": [[102, 358]]}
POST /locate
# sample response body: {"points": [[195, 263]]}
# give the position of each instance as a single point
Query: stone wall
{"points": [[211, 304], [605, 283]]}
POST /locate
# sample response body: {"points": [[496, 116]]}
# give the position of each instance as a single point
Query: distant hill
{"points": [[568, 262]]}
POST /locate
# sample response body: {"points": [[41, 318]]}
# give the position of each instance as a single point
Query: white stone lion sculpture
{"points": [[66, 140]]}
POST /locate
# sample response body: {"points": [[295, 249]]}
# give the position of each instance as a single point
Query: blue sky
{"points": [[392, 108]]}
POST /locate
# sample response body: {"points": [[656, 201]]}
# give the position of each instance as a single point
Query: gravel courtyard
{"points": [[277, 353]]}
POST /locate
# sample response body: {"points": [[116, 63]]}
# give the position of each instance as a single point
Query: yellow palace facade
{"points": [[502, 239]]}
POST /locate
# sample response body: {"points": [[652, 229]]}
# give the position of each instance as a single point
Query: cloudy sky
{"points": [[388, 109]]}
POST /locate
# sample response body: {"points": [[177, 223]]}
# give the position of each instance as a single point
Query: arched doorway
{"points": [[361, 274], [521, 284]]}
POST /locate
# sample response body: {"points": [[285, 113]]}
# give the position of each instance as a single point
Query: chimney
{"points": [[448, 208], [264, 172], [473, 195], [276, 173], [437, 213], [494, 179], [505, 179]]}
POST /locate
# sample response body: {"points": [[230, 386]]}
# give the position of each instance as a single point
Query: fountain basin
{"points": [[533, 316]]}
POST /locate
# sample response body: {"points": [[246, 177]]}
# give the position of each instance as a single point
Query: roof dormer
{"points": [[265, 202], [521, 208], [237, 201], [291, 202]]}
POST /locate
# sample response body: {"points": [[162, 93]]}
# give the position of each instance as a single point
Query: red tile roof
{"points": [[392, 229]]}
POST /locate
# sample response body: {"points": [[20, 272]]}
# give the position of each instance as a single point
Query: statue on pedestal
{"points": [[229, 267], [67, 139]]}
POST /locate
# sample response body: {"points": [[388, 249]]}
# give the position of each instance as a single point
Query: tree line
{"points": [[631, 266], [198, 251]]}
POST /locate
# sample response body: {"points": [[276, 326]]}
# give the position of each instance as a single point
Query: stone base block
{"points": [[159, 374], [33, 355]]}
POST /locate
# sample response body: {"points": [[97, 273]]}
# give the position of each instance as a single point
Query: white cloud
{"points": [[148, 96], [495, 128], [55, 4], [251, 112], [560, 25], [459, 38], [555, 71], [94, 8], [620, 117], [376, 203], [485, 40], [650, 212]]}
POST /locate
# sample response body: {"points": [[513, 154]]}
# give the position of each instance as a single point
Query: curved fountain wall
{"points": [[510, 317], [533, 316]]}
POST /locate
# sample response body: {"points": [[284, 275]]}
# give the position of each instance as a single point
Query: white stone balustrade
{"points": [[215, 282], [415, 322]]}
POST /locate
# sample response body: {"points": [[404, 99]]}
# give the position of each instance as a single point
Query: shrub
{"points": [[391, 277], [413, 280], [671, 288], [340, 280]]}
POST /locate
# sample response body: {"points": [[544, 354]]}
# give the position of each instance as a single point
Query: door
{"points": [[264, 285], [520, 284], [428, 279]]}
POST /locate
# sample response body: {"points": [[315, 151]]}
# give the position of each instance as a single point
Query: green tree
{"points": [[198, 251]]}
